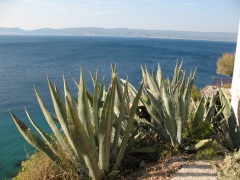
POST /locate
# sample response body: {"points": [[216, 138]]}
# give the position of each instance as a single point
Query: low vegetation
{"points": [[196, 94], [210, 152], [39, 167], [229, 168], [114, 133], [225, 64]]}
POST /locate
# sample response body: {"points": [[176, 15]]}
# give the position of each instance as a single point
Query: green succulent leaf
{"points": [[119, 121], [82, 142], [34, 140], [105, 126], [44, 135], [128, 129], [83, 109], [52, 124]]}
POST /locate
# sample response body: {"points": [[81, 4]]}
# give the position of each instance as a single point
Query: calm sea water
{"points": [[28, 60]]}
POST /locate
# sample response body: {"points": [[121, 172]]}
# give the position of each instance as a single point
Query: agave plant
{"points": [[95, 127], [168, 102], [200, 123], [226, 127]]}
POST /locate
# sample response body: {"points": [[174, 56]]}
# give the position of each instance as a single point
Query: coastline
{"points": [[123, 32], [118, 36]]}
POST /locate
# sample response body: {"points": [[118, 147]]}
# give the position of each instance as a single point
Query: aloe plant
{"points": [[96, 126]]}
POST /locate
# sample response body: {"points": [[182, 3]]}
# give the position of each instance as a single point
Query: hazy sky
{"points": [[187, 15]]}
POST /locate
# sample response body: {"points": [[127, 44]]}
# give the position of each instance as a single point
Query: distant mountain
{"points": [[92, 31], [11, 31]]}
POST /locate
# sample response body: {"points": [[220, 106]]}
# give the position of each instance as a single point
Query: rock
{"points": [[142, 164]]}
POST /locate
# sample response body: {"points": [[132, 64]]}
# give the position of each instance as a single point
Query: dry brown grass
{"points": [[39, 167], [229, 168]]}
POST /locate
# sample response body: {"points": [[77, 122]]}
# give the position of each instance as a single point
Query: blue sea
{"points": [[28, 60]]}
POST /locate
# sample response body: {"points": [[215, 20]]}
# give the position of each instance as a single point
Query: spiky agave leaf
{"points": [[52, 124], [83, 109], [60, 111], [149, 81], [199, 112], [105, 127], [96, 105], [167, 119], [180, 116], [35, 141], [119, 120], [159, 78], [230, 118], [158, 117], [44, 135], [132, 91], [82, 142], [128, 130]]}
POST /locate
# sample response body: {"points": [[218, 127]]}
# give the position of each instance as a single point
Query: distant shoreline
{"points": [[70, 35], [124, 32]]}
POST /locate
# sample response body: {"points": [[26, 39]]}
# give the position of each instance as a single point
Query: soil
{"points": [[198, 170], [149, 166]]}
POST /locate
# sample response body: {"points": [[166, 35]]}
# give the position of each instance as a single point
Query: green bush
{"points": [[209, 152], [196, 93], [194, 133], [225, 64]]}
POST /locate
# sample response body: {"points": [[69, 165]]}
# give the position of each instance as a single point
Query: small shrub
{"points": [[39, 167], [194, 133], [209, 152], [196, 93], [225, 64], [229, 169]]}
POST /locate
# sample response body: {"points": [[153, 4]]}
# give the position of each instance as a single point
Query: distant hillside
{"points": [[91, 31]]}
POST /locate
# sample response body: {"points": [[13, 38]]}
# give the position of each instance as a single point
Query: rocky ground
{"points": [[174, 168], [198, 170]]}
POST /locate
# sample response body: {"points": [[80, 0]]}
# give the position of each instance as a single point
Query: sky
{"points": [[183, 15]]}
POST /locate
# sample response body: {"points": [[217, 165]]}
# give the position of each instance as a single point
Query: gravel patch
{"points": [[198, 170]]}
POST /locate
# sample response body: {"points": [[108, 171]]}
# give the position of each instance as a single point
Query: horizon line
{"points": [[117, 28]]}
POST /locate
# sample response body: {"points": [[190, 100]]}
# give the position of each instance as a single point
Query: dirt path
{"points": [[198, 170]]}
